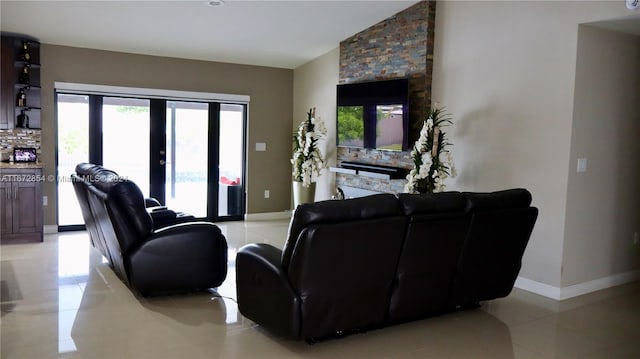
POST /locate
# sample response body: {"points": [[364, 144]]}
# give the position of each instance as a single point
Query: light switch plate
{"points": [[582, 165], [261, 146]]}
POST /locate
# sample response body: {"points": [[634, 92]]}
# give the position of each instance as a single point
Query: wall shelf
{"points": [[370, 170], [374, 170], [13, 80]]}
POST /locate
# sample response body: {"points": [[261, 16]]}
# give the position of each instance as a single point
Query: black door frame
{"points": [[157, 143]]}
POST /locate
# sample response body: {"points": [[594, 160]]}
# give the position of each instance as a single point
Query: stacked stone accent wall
{"points": [[398, 47], [385, 158], [19, 137]]}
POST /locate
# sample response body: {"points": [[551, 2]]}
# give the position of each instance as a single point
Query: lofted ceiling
{"points": [[283, 34]]}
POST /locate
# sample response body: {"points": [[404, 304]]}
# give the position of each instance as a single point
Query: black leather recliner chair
{"points": [[176, 257]]}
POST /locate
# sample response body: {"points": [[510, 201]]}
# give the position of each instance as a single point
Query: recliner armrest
{"points": [[161, 214], [264, 292], [151, 202], [266, 254], [164, 217]]}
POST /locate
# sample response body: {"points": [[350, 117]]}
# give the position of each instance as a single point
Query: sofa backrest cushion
{"points": [[80, 186], [125, 204], [343, 268], [369, 207], [128, 212], [427, 266], [106, 231], [501, 224]]}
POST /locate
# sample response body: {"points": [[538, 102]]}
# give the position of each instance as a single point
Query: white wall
{"points": [[505, 70], [314, 85], [602, 204]]}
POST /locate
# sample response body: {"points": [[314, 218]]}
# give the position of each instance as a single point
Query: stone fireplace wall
{"points": [[398, 47]]}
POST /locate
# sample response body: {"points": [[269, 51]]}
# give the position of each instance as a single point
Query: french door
{"points": [[189, 155]]}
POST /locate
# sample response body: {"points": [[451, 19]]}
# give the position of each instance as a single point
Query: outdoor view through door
{"points": [[187, 154]]}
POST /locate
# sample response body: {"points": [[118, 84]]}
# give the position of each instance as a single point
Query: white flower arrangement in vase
{"points": [[433, 162], [307, 158]]}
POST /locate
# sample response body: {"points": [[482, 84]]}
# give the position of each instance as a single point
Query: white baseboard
{"points": [[49, 228], [268, 216], [542, 289], [575, 290]]}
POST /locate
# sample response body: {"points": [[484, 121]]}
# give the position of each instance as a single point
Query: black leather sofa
{"points": [[370, 262], [176, 254]]}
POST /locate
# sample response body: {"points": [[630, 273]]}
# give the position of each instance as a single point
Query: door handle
{"points": [[162, 162], [15, 192]]}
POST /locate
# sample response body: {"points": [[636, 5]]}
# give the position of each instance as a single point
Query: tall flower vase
{"points": [[303, 194]]}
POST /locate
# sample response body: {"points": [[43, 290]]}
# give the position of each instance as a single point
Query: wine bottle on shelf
{"points": [[24, 76], [23, 120], [21, 98], [25, 55]]}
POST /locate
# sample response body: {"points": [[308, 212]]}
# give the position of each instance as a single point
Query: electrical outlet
{"points": [[267, 194], [45, 200]]}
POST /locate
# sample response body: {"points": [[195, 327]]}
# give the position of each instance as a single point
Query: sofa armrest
{"points": [[264, 292], [179, 257]]}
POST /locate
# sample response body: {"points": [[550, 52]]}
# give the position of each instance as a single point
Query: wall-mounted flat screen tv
{"points": [[373, 115]]}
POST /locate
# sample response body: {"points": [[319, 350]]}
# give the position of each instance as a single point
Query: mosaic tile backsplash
{"points": [[19, 137]]}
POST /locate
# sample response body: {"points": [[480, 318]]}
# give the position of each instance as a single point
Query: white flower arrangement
{"points": [[307, 159], [432, 160]]}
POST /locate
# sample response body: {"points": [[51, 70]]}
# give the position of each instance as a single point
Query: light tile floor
{"points": [[60, 300]]}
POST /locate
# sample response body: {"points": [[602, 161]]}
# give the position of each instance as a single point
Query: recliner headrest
{"points": [[96, 174], [82, 169], [511, 198], [429, 203]]}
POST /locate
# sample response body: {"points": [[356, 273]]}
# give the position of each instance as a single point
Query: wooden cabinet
{"points": [[19, 73], [21, 205]]}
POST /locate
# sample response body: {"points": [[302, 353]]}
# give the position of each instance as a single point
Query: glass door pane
{"points": [[230, 186], [187, 157], [73, 148], [125, 139]]}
